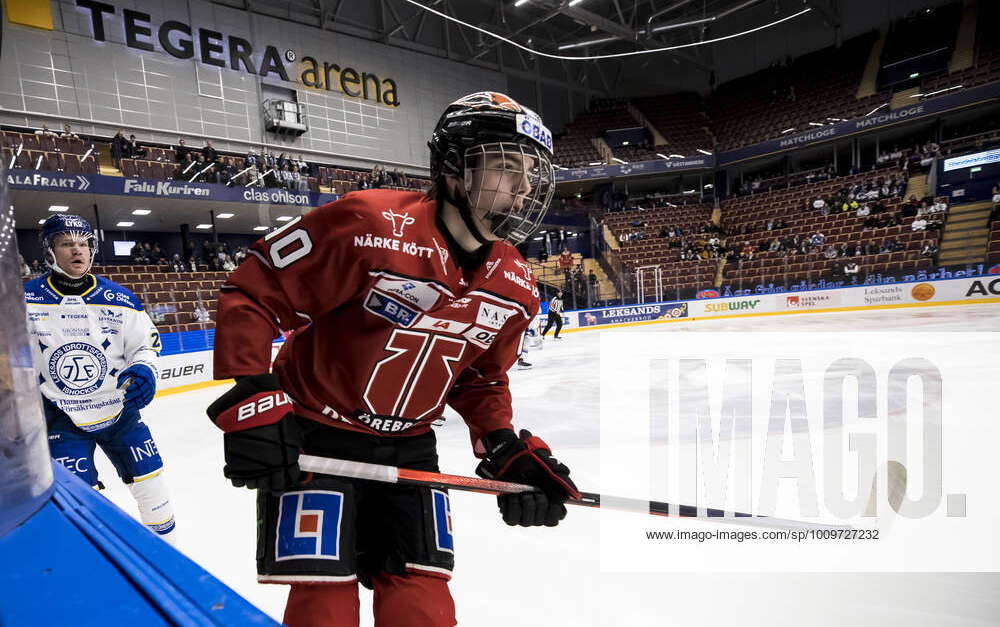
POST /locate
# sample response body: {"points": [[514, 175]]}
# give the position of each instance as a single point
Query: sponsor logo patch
{"points": [[416, 293], [493, 316], [309, 525], [390, 309]]}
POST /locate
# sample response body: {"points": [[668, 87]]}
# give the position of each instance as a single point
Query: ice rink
{"points": [[552, 577]]}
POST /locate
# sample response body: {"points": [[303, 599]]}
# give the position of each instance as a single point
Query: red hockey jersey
{"points": [[387, 326]]}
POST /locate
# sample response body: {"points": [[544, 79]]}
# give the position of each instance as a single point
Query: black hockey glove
{"points": [[528, 460], [262, 438]]}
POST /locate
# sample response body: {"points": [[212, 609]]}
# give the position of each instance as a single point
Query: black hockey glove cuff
{"points": [[528, 460], [263, 438]]}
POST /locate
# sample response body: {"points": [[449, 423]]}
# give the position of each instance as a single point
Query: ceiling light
{"points": [[58, 208], [596, 163], [882, 106], [788, 130], [676, 156], [704, 152], [662, 156], [42, 221], [620, 160], [203, 226], [125, 223], [283, 218], [260, 228], [573, 3], [815, 124], [224, 216], [140, 212], [519, 2]]}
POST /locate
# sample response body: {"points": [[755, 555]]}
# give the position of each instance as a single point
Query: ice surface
{"points": [[512, 576]]}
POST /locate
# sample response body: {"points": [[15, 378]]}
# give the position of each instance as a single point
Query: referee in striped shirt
{"points": [[555, 315]]}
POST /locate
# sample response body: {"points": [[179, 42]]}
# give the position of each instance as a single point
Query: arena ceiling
{"points": [[597, 27]]}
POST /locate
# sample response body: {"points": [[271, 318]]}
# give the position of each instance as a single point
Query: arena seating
{"points": [[575, 148], [651, 249], [48, 153], [682, 121], [986, 63], [744, 218], [993, 247], [169, 297], [760, 106]]}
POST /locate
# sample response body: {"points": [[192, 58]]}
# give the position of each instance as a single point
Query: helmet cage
{"points": [[514, 182]]}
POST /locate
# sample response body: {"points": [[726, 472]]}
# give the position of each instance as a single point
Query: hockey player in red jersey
{"points": [[401, 302]]}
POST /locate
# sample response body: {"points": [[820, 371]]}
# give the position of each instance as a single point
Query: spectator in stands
{"points": [[202, 172], [818, 239], [929, 250], [543, 255], [23, 266], [864, 210], [565, 259], [224, 171], [119, 148], [919, 224], [303, 166], [36, 266], [299, 182], [157, 256], [208, 151], [871, 248], [68, 132], [830, 252], [592, 281], [134, 150], [939, 206], [201, 313], [45, 131], [184, 167], [192, 263], [285, 177], [182, 153], [852, 268], [240, 255], [139, 254]]}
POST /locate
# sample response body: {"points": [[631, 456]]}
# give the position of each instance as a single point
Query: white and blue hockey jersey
{"points": [[80, 344]]}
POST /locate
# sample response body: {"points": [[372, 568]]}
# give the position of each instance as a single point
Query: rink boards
{"points": [[190, 370]]}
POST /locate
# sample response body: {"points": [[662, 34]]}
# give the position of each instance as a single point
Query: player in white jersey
{"points": [[95, 351]]}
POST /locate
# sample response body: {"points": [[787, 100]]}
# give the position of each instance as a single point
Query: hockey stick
{"points": [[392, 474]]}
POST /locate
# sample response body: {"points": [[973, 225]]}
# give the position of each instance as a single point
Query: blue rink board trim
{"points": [[82, 561], [191, 341]]}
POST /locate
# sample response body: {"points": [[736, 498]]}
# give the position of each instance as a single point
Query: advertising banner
{"points": [[35, 180]]}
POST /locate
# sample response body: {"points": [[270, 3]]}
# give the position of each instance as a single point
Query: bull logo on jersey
{"points": [[525, 268], [399, 221], [77, 368]]}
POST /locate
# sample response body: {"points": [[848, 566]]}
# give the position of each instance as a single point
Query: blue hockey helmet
{"points": [[71, 225]]}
